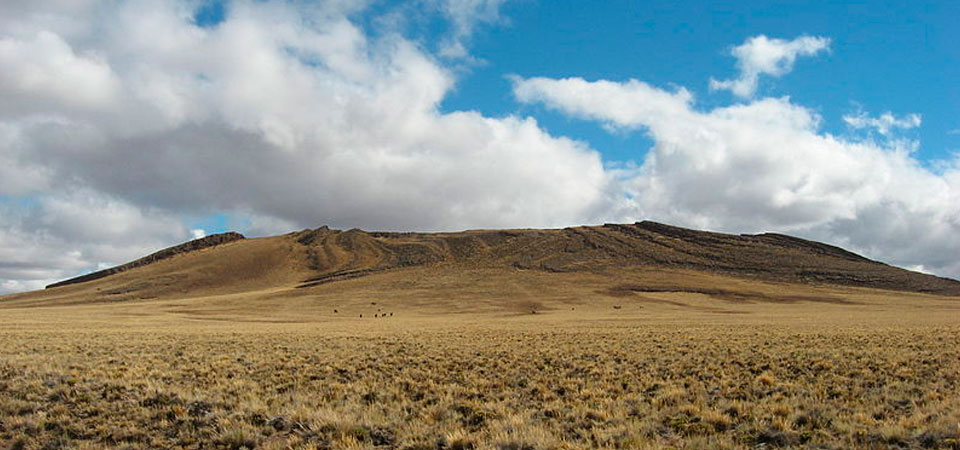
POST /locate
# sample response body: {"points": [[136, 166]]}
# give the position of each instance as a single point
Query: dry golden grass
{"points": [[665, 370], [526, 349]]}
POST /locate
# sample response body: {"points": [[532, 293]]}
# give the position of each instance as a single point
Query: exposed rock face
{"points": [[196, 244]]}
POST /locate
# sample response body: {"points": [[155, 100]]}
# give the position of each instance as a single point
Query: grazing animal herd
{"points": [[378, 314]]}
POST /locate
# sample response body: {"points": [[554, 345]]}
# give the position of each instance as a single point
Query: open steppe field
{"points": [[810, 367]]}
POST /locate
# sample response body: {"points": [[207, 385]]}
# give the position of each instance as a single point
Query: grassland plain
{"points": [[638, 336], [881, 372]]}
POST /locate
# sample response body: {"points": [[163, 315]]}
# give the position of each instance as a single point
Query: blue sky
{"points": [[885, 56], [133, 125]]}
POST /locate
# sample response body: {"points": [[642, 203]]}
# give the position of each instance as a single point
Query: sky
{"points": [[129, 126]]}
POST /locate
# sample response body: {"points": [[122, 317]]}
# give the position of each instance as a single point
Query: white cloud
{"points": [[276, 116], [765, 165], [61, 235], [43, 74], [760, 55], [465, 16], [287, 122], [884, 124], [458, 21], [629, 105]]}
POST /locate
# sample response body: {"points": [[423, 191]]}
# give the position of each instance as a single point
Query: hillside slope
{"points": [[614, 259], [774, 257]]}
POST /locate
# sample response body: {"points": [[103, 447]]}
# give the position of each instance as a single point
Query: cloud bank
{"points": [[124, 122], [286, 114]]}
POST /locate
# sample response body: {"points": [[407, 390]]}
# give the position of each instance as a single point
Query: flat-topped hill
{"points": [[617, 259]]}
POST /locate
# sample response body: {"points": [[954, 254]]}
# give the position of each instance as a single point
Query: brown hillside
{"points": [[337, 255], [619, 336], [502, 266]]}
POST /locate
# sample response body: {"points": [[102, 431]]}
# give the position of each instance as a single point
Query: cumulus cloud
{"points": [[766, 165], [760, 55], [288, 115]]}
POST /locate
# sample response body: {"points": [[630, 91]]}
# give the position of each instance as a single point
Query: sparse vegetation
{"points": [[467, 387], [615, 337]]}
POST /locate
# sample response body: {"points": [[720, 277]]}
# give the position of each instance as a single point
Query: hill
{"points": [[513, 269], [614, 336]]}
